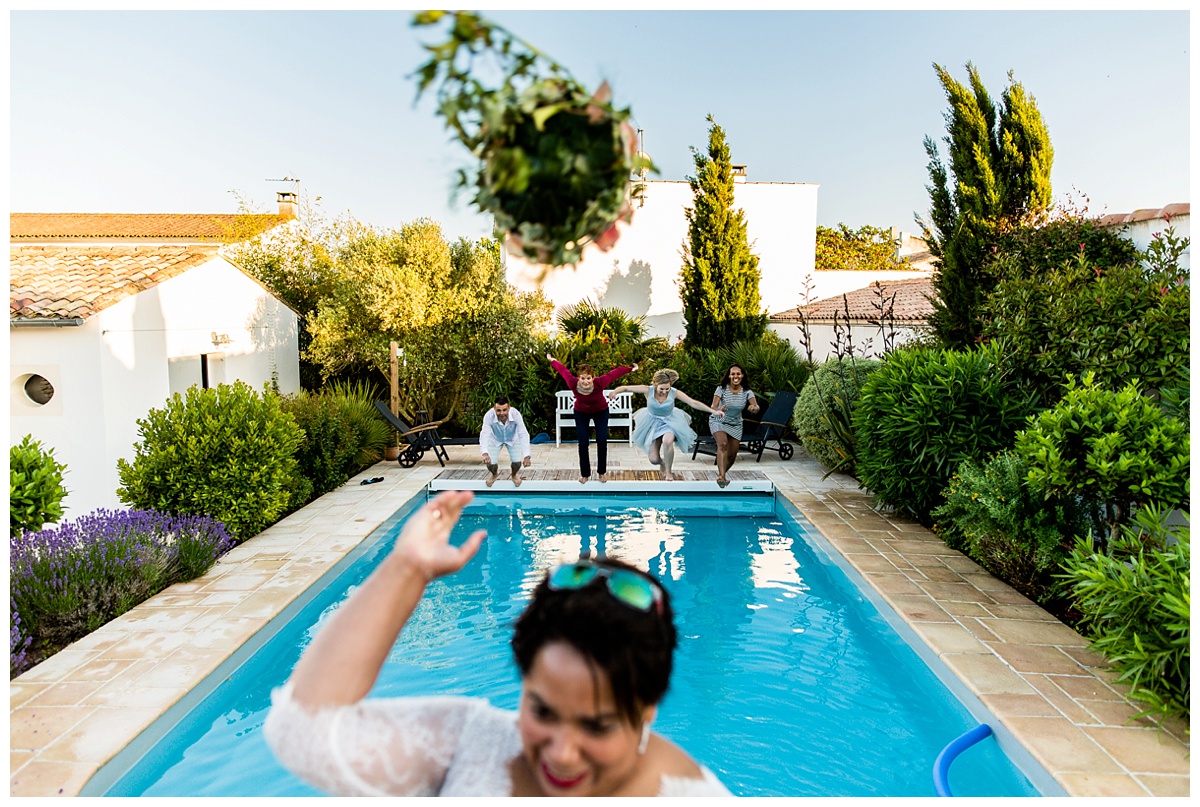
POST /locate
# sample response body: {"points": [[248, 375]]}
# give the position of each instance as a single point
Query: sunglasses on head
{"points": [[627, 587]]}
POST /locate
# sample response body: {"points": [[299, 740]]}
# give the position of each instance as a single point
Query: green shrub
{"points": [[1041, 251], [1021, 537], [35, 488], [1120, 322], [328, 447], [1115, 448], [226, 452], [1136, 607], [922, 413], [343, 434], [824, 411]]}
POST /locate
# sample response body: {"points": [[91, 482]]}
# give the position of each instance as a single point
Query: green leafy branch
{"points": [[556, 161]]}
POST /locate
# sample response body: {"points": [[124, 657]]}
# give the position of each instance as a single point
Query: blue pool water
{"points": [[787, 681]]}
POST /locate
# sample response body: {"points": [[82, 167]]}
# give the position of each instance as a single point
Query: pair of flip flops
{"points": [[722, 483], [371, 481]]}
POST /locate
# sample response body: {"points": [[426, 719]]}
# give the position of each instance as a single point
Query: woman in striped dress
{"points": [[731, 397]]}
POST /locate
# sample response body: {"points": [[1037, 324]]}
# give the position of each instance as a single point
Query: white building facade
{"points": [[80, 377]]}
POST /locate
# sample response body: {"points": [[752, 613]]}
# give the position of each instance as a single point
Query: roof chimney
{"points": [[287, 204]]}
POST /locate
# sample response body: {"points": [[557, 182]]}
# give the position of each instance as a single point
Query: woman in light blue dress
{"points": [[659, 426]]}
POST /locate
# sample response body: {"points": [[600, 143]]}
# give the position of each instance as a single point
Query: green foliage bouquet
{"points": [[556, 161]]}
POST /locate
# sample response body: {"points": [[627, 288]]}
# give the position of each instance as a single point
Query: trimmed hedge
{"points": [[226, 452], [836, 383]]}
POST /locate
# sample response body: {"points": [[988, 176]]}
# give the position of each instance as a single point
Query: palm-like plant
{"points": [[372, 432], [588, 322]]}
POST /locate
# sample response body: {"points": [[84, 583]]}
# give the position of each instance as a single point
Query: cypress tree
{"points": [[719, 280], [998, 176]]}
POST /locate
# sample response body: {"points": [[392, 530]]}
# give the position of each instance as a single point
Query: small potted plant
{"points": [[555, 161]]}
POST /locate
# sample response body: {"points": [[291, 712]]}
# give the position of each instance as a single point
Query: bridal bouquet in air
{"points": [[555, 161]]}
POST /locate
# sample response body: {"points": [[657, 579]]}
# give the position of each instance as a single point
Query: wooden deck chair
{"points": [[419, 438], [771, 428]]}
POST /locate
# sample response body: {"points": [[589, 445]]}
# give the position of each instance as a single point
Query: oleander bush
{"points": [[823, 419], [35, 487], [1136, 607], [922, 413], [1118, 449], [66, 581], [1119, 322], [991, 514], [226, 452]]}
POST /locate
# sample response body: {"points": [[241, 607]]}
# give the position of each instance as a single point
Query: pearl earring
{"points": [[645, 738]]}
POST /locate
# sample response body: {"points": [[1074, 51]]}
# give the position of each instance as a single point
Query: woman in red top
{"points": [[590, 407]]}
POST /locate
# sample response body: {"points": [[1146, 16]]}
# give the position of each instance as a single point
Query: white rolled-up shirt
{"points": [[512, 434]]}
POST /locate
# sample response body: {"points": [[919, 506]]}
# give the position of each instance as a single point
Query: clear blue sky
{"points": [[169, 111]]}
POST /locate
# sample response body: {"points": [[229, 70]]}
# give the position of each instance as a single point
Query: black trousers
{"points": [[583, 421]]}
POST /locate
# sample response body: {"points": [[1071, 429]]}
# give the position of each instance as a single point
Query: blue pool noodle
{"points": [[941, 768]]}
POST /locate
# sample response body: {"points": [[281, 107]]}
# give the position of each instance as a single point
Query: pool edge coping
{"points": [[825, 509]]}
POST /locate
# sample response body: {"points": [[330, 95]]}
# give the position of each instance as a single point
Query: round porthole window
{"points": [[39, 389]]}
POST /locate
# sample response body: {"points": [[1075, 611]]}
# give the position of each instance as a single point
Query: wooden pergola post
{"points": [[395, 363]]}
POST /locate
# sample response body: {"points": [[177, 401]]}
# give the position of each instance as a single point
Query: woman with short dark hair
{"points": [[591, 407], [594, 647]]}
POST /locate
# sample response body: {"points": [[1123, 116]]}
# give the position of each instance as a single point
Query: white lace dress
{"points": [[431, 746]]}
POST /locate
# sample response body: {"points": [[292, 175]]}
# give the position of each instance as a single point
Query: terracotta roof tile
{"points": [[207, 226], [1177, 209], [77, 281], [910, 303]]}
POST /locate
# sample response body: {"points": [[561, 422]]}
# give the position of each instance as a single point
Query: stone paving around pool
{"points": [[72, 713]]}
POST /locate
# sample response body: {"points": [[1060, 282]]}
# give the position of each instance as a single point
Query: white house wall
{"points": [[822, 338], [219, 298], [112, 370], [73, 422], [640, 274], [1142, 233]]}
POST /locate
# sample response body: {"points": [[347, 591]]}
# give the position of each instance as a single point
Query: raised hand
{"points": [[425, 540]]}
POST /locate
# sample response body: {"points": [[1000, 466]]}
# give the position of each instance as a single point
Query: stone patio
{"points": [[72, 713]]}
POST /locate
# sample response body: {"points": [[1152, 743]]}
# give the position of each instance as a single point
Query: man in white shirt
{"points": [[504, 426]]}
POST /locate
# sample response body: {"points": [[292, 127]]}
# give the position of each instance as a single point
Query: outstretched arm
{"points": [[638, 388], [342, 663], [692, 402], [566, 374]]}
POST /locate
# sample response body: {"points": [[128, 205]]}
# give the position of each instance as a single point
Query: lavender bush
{"points": [[18, 644], [67, 581]]}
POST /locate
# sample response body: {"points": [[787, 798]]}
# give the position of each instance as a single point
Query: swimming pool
{"points": [[788, 681]]}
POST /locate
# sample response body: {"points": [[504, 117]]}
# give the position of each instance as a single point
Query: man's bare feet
{"points": [[603, 477], [668, 477], [490, 480], [583, 480], [516, 479]]}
